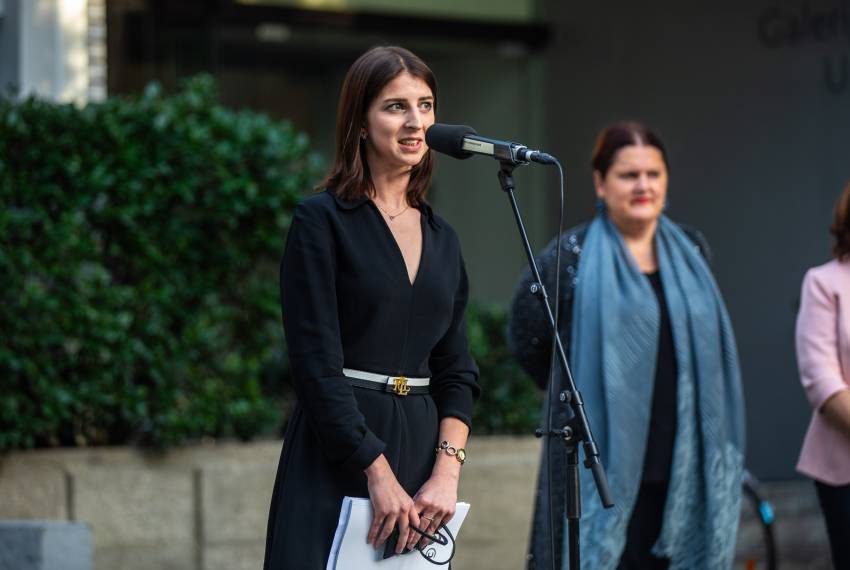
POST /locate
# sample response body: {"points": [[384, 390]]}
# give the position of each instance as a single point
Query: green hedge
{"points": [[510, 401], [139, 254]]}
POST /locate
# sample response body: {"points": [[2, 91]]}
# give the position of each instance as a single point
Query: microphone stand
{"points": [[577, 429]]}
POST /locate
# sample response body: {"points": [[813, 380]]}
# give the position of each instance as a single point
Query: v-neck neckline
{"points": [[390, 234]]}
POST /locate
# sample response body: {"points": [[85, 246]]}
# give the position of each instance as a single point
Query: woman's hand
{"points": [[435, 502], [391, 505], [837, 411]]}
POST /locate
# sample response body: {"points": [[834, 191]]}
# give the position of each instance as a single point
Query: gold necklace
{"points": [[392, 216]]}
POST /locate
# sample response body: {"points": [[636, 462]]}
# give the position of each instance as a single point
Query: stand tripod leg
{"points": [[573, 505]]}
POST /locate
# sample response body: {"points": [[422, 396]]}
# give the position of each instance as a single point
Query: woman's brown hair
{"points": [[349, 176], [616, 136], [840, 228]]}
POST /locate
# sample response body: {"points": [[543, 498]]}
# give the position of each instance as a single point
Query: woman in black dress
{"points": [[374, 291]]}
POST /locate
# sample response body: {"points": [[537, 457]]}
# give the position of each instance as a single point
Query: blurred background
{"points": [[151, 151]]}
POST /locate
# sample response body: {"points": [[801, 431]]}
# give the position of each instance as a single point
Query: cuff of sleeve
{"points": [[824, 392], [368, 450], [456, 403]]}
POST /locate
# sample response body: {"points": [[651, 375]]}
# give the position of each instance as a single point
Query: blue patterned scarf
{"points": [[614, 345]]}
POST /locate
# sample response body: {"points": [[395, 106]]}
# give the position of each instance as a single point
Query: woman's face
{"points": [[396, 123], [635, 187]]}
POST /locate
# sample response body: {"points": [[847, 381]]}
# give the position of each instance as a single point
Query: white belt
{"points": [[399, 385]]}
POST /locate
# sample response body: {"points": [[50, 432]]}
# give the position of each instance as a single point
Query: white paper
{"points": [[344, 513], [350, 551]]}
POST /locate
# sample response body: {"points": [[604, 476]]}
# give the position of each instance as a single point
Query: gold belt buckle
{"points": [[400, 387]]}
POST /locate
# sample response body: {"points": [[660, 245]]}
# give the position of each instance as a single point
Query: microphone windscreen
{"points": [[448, 139]]}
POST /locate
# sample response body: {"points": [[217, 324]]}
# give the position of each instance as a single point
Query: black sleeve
{"points": [[311, 323], [453, 370], [529, 335]]}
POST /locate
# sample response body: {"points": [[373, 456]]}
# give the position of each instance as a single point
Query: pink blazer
{"points": [[823, 356]]}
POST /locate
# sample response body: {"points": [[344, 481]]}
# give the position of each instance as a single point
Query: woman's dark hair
{"points": [[349, 175], [840, 228], [616, 136]]}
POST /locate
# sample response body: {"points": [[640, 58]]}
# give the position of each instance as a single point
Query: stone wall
{"points": [[205, 507]]}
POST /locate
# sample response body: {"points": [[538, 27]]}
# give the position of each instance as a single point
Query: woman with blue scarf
{"points": [[653, 353]]}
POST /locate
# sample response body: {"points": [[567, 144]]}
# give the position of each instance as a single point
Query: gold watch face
{"points": [[461, 454]]}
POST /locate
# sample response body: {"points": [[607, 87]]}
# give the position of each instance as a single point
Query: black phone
{"points": [[390, 544]]}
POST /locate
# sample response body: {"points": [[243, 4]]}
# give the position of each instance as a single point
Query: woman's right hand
{"points": [[836, 409], [391, 505]]}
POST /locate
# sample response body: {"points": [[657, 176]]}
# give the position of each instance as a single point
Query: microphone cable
{"points": [[552, 395]]}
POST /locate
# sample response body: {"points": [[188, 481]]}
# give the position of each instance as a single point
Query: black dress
{"points": [[648, 512], [348, 302]]}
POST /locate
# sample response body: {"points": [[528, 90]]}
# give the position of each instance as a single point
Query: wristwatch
{"points": [[451, 450]]}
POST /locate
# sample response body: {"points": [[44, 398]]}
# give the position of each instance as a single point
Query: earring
{"points": [[601, 208], [363, 134]]}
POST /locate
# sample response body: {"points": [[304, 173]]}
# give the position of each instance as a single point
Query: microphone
{"points": [[460, 141]]}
